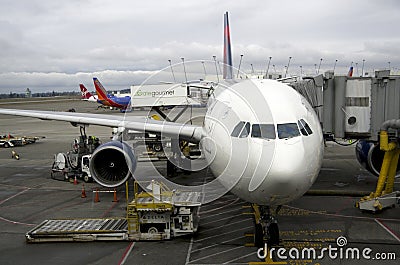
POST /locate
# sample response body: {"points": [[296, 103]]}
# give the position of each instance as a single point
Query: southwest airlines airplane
{"points": [[121, 102], [260, 138]]}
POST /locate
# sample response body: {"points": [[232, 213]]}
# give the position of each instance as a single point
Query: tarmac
{"points": [[29, 196]]}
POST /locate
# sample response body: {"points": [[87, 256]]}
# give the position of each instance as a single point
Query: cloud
{"points": [[48, 43]]}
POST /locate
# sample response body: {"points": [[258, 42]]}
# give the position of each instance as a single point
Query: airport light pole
{"points": [[266, 73], [287, 68], [357, 69], [319, 66], [334, 66], [362, 69], [204, 68], [184, 68], [240, 64], [172, 70], [216, 69]]}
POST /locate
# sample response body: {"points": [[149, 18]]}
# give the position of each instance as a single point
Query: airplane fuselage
{"points": [[115, 101], [263, 141]]}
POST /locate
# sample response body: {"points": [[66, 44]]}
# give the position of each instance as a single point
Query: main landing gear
{"points": [[266, 226]]}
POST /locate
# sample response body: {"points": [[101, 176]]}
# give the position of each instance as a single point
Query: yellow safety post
{"points": [[387, 161], [384, 187], [384, 142], [392, 172]]}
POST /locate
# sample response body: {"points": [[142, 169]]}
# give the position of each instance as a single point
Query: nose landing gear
{"points": [[266, 226]]}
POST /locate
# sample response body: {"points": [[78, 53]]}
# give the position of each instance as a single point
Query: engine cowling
{"points": [[370, 156], [112, 163]]}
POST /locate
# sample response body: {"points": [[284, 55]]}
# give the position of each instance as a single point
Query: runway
{"points": [[28, 196]]}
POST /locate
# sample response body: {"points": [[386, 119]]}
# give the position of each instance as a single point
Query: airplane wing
{"points": [[170, 129]]}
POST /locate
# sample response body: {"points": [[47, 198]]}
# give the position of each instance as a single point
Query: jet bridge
{"points": [[353, 107], [358, 108]]}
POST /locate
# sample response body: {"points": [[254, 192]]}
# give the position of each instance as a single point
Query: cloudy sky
{"points": [[55, 45]]}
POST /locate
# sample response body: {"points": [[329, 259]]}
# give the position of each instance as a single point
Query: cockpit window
{"points": [[287, 130], [246, 130], [304, 127], [264, 131], [238, 128]]}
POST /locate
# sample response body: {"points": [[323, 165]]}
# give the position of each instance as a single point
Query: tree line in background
{"points": [[42, 94]]}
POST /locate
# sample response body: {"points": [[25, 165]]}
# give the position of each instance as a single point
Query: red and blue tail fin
{"points": [[350, 73], [227, 74], [85, 93]]}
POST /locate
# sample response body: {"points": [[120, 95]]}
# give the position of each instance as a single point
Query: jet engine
{"points": [[112, 163], [370, 156]]}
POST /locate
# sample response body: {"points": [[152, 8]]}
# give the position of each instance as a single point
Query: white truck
{"points": [[67, 166]]}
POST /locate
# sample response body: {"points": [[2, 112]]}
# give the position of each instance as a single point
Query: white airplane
{"points": [[261, 139]]}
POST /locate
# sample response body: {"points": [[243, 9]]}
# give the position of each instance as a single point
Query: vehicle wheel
{"points": [[86, 178], [157, 147], [273, 234], [152, 230], [258, 236], [6, 145]]}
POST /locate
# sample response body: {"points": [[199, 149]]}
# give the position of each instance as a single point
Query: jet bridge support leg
{"points": [[383, 196], [175, 144], [165, 117]]}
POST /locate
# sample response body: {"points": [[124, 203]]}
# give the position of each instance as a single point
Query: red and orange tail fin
{"points": [[227, 74], [100, 90]]}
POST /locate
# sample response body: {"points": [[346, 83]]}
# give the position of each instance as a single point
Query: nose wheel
{"points": [[266, 228]]}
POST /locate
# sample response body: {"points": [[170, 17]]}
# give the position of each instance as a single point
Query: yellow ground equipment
{"points": [[155, 213], [384, 196]]}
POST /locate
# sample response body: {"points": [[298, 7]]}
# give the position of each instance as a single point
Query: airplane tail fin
{"points": [[227, 74], [100, 90], [85, 93], [350, 73]]}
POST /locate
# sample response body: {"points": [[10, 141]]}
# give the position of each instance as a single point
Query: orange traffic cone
{"points": [[96, 197], [115, 196], [75, 181], [83, 191]]}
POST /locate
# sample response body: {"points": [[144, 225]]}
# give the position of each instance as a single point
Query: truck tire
{"points": [[86, 178], [157, 147], [152, 230], [6, 145]]}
